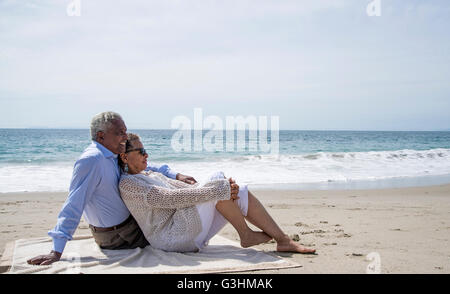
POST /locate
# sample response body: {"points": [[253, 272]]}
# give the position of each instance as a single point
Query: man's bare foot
{"points": [[254, 238], [288, 245]]}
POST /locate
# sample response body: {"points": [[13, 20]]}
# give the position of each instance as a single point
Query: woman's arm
{"points": [[136, 190]]}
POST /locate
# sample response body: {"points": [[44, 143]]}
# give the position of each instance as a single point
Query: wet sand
{"points": [[406, 230]]}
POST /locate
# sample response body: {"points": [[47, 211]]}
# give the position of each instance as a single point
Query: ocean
{"points": [[42, 159]]}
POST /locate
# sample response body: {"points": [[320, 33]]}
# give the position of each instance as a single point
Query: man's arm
{"points": [[186, 179], [84, 180], [165, 170]]}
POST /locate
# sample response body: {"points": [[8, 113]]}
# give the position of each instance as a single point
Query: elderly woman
{"points": [[176, 216]]}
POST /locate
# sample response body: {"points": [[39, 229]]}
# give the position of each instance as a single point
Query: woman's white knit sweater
{"points": [[165, 208]]}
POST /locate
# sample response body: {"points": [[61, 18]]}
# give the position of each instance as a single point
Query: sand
{"points": [[407, 230]]}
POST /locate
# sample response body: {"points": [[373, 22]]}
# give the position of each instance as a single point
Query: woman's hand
{"points": [[234, 189]]}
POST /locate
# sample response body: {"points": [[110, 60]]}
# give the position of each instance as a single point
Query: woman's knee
{"points": [[222, 202], [217, 175]]}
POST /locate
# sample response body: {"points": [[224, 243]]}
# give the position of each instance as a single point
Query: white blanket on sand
{"points": [[82, 255]]}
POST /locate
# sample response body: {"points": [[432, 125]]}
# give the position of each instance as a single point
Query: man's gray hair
{"points": [[102, 121]]}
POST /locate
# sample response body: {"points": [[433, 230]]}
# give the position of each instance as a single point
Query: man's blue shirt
{"points": [[94, 193]]}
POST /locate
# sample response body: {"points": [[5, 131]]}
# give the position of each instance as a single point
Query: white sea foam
{"points": [[33, 178], [262, 169], [325, 167]]}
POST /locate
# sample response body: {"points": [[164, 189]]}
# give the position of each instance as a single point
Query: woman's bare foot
{"points": [[288, 245], [252, 238]]}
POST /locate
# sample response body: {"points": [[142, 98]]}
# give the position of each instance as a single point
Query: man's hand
{"points": [[45, 259], [186, 179], [234, 189]]}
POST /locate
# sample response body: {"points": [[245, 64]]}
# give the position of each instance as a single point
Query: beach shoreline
{"points": [[408, 227]]}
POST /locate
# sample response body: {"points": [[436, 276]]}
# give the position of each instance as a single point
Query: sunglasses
{"points": [[141, 151]]}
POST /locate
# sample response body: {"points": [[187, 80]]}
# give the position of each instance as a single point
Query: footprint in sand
{"points": [[295, 237], [345, 235], [308, 244], [313, 232]]}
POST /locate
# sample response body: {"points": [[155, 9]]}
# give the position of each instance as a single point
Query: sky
{"points": [[317, 65]]}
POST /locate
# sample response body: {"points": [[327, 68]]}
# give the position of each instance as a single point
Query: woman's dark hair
{"points": [[128, 146]]}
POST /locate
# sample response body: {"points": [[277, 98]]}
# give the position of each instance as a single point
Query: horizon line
{"points": [[164, 129]]}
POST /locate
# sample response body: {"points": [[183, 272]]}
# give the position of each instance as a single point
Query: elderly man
{"points": [[94, 192]]}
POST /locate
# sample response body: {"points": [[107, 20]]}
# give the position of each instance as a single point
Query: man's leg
{"points": [[129, 236]]}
